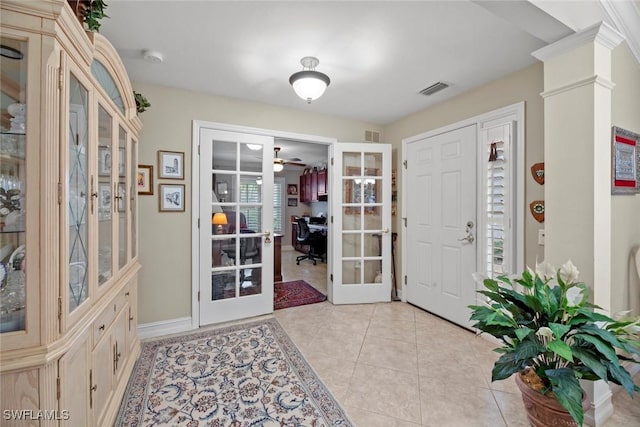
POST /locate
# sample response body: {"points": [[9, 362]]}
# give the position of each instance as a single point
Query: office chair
{"points": [[306, 237]]}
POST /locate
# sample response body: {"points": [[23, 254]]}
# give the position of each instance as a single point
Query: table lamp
{"points": [[219, 219]]}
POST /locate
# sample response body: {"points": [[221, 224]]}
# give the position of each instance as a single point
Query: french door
{"points": [[235, 219], [360, 229]]}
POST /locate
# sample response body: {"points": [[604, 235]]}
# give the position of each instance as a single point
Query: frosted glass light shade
{"points": [[277, 167], [309, 85]]}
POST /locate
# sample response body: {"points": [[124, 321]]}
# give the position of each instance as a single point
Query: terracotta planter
{"points": [[544, 411]]}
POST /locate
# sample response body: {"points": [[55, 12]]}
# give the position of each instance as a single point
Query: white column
{"points": [[577, 146]]}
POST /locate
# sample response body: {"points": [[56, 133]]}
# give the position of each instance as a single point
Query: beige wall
{"points": [[523, 85], [165, 238], [625, 210]]}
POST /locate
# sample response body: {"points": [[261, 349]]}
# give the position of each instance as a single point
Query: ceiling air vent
{"points": [[436, 87]]}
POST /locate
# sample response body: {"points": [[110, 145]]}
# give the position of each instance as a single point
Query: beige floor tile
{"points": [[394, 311], [458, 404], [343, 344], [400, 330], [392, 354], [384, 391], [364, 418], [512, 408], [334, 372]]}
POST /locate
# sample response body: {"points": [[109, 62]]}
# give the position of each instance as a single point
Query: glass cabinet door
{"points": [[105, 222], [122, 199], [13, 191], [78, 189]]}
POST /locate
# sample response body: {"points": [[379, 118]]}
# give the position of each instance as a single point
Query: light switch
{"points": [[541, 237]]}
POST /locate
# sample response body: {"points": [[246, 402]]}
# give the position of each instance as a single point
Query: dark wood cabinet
{"points": [[313, 186]]}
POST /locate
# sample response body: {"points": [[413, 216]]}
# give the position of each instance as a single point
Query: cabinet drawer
{"points": [[105, 319]]}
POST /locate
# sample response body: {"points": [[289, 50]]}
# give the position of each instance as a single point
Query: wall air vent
{"points": [[436, 87]]}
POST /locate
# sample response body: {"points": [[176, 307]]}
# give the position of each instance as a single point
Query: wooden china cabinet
{"points": [[68, 219]]}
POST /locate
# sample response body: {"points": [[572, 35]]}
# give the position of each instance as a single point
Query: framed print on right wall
{"points": [[625, 161]]}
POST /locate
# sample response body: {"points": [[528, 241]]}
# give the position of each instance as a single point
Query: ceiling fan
{"points": [[279, 163]]}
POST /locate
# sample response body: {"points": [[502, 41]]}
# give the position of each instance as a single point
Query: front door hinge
{"points": [[405, 164], [332, 161], [58, 388], [59, 193], [198, 222], [405, 279], [198, 149], [331, 219], [331, 277], [59, 309], [198, 296], [405, 221]]}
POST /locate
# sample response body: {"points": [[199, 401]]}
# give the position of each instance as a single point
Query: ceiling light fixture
{"points": [[152, 56], [254, 147], [278, 166], [309, 84]]}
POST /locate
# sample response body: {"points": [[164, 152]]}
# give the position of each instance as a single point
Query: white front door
{"points": [[361, 223], [441, 223], [236, 223]]}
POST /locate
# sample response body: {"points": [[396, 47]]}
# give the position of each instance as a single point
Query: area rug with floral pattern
{"points": [[242, 375], [295, 293]]}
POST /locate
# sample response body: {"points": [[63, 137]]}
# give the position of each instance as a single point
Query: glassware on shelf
{"points": [[18, 111]]}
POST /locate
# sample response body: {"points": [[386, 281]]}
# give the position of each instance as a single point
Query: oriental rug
{"points": [[295, 293], [243, 375]]}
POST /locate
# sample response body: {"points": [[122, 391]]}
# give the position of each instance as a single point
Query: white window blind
{"points": [[498, 206], [250, 193]]}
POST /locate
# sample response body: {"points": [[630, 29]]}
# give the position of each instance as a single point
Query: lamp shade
{"points": [[309, 84], [219, 218], [278, 167]]}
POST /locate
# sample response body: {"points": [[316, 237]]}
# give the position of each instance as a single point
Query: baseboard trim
{"points": [[164, 327]]}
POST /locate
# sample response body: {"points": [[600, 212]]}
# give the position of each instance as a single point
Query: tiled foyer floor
{"points": [[395, 365]]}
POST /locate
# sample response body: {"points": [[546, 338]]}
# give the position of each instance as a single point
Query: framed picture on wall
{"points": [[171, 165], [292, 189], [144, 180], [292, 201], [171, 197], [625, 158]]}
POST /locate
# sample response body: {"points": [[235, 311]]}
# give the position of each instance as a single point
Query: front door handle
{"points": [[469, 238]]}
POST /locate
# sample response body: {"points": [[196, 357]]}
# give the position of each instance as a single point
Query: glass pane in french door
{"points": [[105, 222], [236, 220], [78, 190], [361, 217]]}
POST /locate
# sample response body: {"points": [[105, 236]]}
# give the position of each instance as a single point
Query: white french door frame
{"points": [[197, 126], [511, 113]]}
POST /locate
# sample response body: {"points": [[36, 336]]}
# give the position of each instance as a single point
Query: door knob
{"points": [[469, 238]]}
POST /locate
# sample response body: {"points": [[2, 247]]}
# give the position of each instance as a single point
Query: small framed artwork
{"points": [[171, 197], [625, 158], [222, 188], [170, 164], [292, 201], [104, 161], [292, 189], [145, 180]]}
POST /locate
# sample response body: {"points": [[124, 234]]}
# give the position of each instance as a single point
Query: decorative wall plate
{"points": [[537, 210], [537, 170]]}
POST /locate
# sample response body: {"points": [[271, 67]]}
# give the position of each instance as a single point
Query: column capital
{"points": [[601, 33]]}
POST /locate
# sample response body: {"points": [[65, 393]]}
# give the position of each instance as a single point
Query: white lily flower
{"points": [[569, 273], [546, 332], [545, 270], [574, 296]]}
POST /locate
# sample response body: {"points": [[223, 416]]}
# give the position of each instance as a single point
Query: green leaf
{"points": [[491, 284], [523, 332], [559, 329], [561, 348], [590, 361], [505, 366], [568, 391], [527, 350], [605, 349], [621, 376]]}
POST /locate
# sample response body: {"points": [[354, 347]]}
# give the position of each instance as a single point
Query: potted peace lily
{"points": [[551, 338]]}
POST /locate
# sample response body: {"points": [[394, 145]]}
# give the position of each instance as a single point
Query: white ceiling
{"points": [[378, 54]]}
